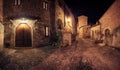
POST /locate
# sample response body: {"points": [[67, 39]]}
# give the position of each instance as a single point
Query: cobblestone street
{"points": [[23, 58], [82, 55], [85, 55]]}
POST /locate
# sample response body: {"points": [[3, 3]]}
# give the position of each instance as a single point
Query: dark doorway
{"points": [[107, 32], [59, 24], [23, 36]]}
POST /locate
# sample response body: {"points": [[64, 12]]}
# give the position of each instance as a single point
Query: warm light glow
{"points": [[68, 20], [23, 25], [23, 20], [46, 31], [68, 24]]}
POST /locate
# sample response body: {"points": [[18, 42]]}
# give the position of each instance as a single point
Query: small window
{"points": [[17, 2], [46, 31], [45, 5]]}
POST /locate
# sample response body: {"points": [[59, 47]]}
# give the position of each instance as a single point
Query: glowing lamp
{"points": [[23, 20]]}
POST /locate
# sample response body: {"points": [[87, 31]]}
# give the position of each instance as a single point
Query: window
{"points": [[17, 2], [45, 5], [46, 31]]}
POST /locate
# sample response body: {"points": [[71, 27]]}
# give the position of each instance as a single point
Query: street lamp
{"points": [[68, 20]]}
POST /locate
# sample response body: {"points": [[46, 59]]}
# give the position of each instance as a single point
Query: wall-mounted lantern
{"points": [[23, 20], [68, 24]]}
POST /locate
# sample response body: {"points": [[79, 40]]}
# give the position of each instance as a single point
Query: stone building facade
{"points": [[108, 27], [86, 31], [82, 26], [95, 32], [33, 23], [110, 23], [65, 22]]}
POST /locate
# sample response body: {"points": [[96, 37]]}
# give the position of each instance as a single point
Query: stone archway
{"points": [[23, 36]]}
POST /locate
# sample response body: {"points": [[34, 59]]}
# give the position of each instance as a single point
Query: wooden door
{"points": [[23, 36]]}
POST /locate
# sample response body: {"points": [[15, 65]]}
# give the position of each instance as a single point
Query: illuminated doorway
{"points": [[23, 36]]}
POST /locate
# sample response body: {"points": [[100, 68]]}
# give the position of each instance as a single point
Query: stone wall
{"points": [[37, 32], [38, 18], [39, 37], [64, 21], [64, 16], [7, 34], [31, 9]]}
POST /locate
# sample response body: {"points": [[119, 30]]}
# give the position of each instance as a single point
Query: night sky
{"points": [[94, 9]]}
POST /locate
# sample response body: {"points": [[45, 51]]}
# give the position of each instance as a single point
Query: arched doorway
{"points": [[23, 36], [108, 38], [107, 32], [59, 24]]}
